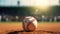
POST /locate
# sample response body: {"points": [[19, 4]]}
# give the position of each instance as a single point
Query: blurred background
{"points": [[42, 10]]}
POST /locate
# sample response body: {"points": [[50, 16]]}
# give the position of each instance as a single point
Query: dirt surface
{"points": [[16, 28]]}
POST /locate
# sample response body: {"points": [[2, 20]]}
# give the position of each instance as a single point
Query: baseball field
{"points": [[43, 28]]}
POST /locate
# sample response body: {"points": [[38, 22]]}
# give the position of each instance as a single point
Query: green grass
{"points": [[10, 22], [21, 22]]}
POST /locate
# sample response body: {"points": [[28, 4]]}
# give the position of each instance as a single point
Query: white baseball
{"points": [[29, 23]]}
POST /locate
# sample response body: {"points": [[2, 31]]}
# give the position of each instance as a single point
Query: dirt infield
{"points": [[16, 28]]}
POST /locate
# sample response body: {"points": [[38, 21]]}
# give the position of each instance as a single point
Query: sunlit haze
{"points": [[29, 2]]}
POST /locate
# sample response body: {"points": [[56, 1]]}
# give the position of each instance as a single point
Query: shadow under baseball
{"points": [[15, 32], [38, 32]]}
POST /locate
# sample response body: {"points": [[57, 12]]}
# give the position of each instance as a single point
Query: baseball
{"points": [[29, 23]]}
